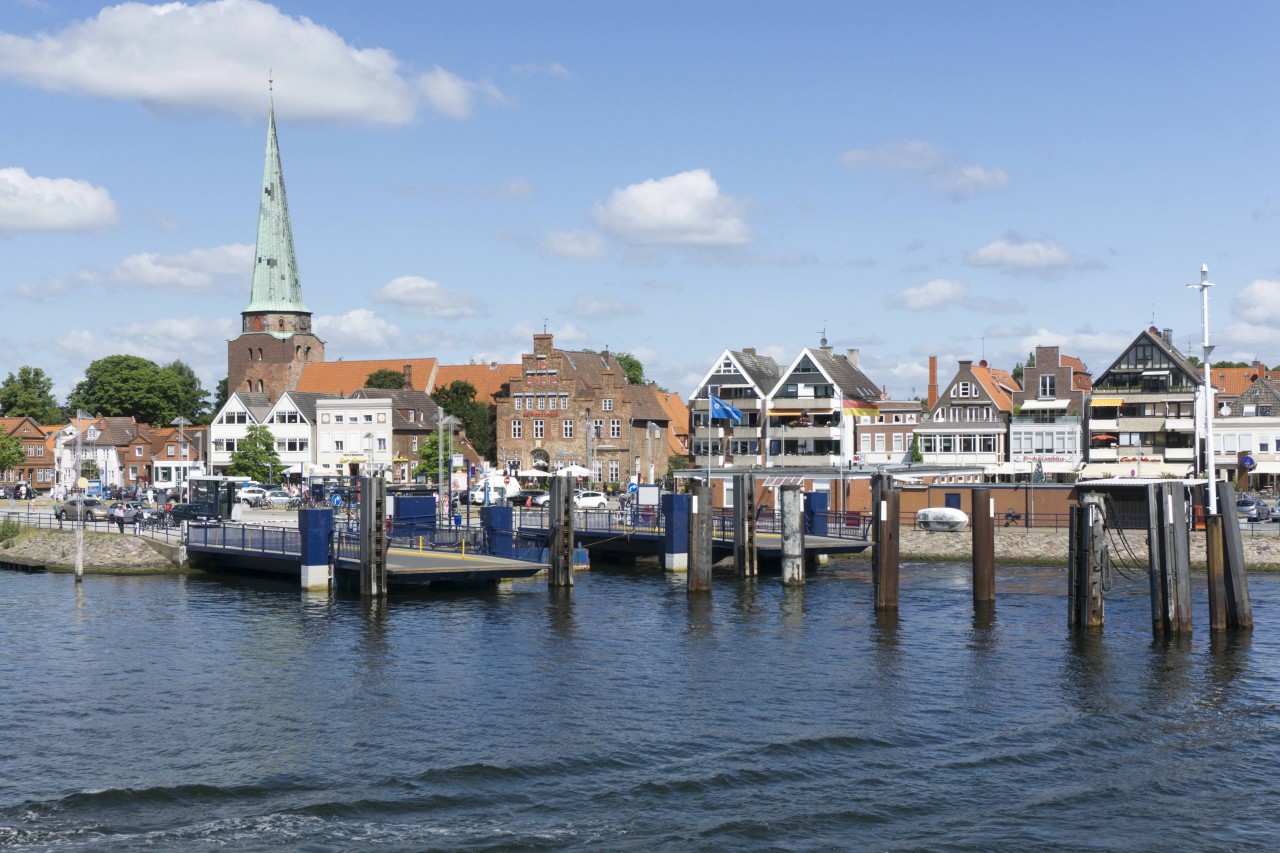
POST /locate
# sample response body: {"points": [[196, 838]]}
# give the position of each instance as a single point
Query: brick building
{"points": [[577, 408]]}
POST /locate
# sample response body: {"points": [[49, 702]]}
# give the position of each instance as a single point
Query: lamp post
{"points": [[80, 416], [586, 423], [368, 454], [1206, 350], [442, 421], [649, 431], [181, 423]]}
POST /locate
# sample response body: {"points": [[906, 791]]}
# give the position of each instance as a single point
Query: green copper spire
{"points": [[275, 285]]}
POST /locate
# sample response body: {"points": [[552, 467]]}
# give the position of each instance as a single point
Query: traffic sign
{"points": [[1247, 463], [337, 500], [633, 488]]}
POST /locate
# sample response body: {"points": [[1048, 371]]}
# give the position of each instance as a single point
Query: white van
{"points": [[500, 491]]}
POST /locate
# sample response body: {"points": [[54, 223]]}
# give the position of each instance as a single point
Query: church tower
{"points": [[275, 340]]}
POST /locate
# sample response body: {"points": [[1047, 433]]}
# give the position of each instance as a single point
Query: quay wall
{"points": [[103, 552]]}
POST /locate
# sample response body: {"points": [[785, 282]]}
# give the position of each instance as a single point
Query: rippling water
{"points": [[203, 714]]}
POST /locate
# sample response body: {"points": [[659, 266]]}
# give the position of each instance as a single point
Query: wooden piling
{"points": [[791, 507], [700, 519], [984, 547], [373, 536], [1235, 579], [1087, 554], [885, 545], [560, 533], [744, 525]]}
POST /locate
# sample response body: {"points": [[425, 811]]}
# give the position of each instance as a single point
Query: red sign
{"points": [[506, 481]]}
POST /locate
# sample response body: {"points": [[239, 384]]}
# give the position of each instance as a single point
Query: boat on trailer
{"points": [[941, 519]]}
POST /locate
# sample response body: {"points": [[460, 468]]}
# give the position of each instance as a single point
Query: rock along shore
{"points": [[103, 552], [1049, 547]]}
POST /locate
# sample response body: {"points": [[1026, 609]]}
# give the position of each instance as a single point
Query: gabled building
{"points": [[743, 379], [37, 469], [969, 421], [1142, 412], [414, 416], [242, 410], [815, 409], [1249, 426], [1046, 432]]}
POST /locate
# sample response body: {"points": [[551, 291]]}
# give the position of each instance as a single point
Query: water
{"points": [[206, 714]]}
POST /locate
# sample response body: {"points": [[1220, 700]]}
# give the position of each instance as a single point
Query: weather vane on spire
{"points": [[270, 81]]}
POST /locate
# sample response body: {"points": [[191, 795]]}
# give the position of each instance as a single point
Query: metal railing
{"points": [[48, 521], [247, 538]]}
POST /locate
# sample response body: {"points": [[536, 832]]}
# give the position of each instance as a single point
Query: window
{"points": [[866, 442], [339, 444], [516, 428], [542, 402], [897, 442], [615, 428], [566, 428], [1047, 386], [413, 444], [337, 419], [537, 428], [607, 404], [615, 471], [235, 417], [368, 418], [597, 426], [879, 442], [382, 443], [169, 450], [518, 400], [564, 402], [137, 451], [133, 472]]}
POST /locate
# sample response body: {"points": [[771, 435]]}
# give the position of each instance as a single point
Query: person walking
{"points": [[118, 513], [137, 522]]}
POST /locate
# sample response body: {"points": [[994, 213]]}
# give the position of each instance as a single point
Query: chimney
{"points": [[748, 350], [933, 381], [852, 356], [1167, 334], [408, 377]]}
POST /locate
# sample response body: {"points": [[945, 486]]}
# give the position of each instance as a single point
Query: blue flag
{"points": [[721, 409]]}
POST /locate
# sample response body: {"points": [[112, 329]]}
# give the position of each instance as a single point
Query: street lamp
{"points": [[649, 434], [442, 421], [180, 422], [368, 454], [80, 416], [1206, 350]]}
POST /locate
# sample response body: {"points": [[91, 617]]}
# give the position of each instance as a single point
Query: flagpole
{"points": [[708, 444]]}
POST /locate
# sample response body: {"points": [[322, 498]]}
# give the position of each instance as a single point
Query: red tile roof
{"points": [[487, 379], [347, 377], [998, 383]]}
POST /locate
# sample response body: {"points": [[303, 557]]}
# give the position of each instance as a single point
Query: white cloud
{"points": [[454, 97], [590, 307], [532, 69], [685, 209], [566, 335], [212, 56], [32, 204], [1017, 256], [578, 245], [931, 296], [357, 330], [956, 180], [196, 339], [1096, 349], [424, 297], [200, 270], [1259, 303]]}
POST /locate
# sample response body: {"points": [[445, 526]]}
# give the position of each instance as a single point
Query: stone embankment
{"points": [[1049, 547], [103, 552]]}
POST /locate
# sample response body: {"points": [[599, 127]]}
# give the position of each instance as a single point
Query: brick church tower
{"points": [[275, 340]]}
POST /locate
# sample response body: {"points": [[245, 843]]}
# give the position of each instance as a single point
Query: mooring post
{"points": [[1155, 560], [1169, 546], [984, 547], [373, 536], [1235, 578], [884, 549], [744, 509], [1088, 553], [699, 537], [560, 533], [675, 533], [315, 527], [791, 507]]}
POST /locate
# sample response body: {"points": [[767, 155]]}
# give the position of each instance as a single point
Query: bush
{"points": [[9, 530]]}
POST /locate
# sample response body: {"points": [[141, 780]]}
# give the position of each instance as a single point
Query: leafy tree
{"points": [[127, 385], [29, 394], [478, 420], [255, 456], [916, 455], [11, 453], [1230, 364], [1195, 362], [677, 462], [385, 378], [192, 402], [428, 456], [1017, 372], [631, 367]]}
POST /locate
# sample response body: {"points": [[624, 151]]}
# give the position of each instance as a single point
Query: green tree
{"points": [[29, 393], [127, 385], [428, 456], [478, 420], [631, 367], [193, 400], [255, 456], [11, 453], [385, 378], [916, 455], [1230, 364], [677, 462]]}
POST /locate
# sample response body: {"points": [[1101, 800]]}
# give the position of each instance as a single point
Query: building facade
{"points": [[1046, 431]]}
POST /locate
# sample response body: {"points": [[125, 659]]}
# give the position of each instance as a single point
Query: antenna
{"points": [[823, 340], [544, 325], [270, 81]]}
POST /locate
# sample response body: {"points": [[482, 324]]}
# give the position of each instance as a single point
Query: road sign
{"points": [[633, 488], [337, 500], [1247, 463]]}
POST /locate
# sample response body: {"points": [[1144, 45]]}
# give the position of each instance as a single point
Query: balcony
{"points": [[1179, 454], [1103, 454], [1103, 425], [1053, 420], [796, 433], [807, 404], [804, 460], [745, 432]]}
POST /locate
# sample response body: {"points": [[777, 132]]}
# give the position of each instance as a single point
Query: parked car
{"points": [[1274, 512], [1250, 508], [6, 492], [279, 497], [130, 507], [533, 497], [589, 500], [192, 512], [251, 495], [90, 509]]}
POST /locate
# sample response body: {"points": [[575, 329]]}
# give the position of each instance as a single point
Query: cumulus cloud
{"points": [[533, 69], [211, 56], [1259, 303], [1092, 347], [686, 209], [197, 271], [931, 296], [577, 245], [424, 297], [1015, 255], [955, 180], [522, 334], [31, 204], [194, 339], [454, 97], [357, 330], [590, 307]]}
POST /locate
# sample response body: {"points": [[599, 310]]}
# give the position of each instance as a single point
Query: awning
{"points": [[1041, 405], [1130, 470], [784, 481], [294, 469], [1107, 401], [1155, 373], [781, 412]]}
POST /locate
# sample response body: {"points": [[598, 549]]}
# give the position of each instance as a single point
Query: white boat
{"points": [[941, 519]]}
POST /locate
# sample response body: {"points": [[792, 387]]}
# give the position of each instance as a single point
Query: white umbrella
{"points": [[573, 471], [532, 472]]}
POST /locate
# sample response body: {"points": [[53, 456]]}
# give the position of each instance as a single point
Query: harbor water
{"points": [[201, 713]]}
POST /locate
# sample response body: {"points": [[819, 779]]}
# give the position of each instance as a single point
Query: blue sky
{"points": [[668, 179]]}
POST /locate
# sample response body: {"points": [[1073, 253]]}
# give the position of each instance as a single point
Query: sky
{"points": [[965, 180]]}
